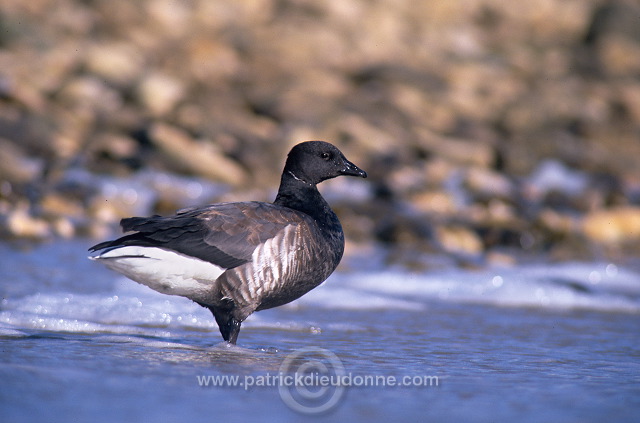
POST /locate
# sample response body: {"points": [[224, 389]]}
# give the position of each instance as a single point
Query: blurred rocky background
{"points": [[493, 131]]}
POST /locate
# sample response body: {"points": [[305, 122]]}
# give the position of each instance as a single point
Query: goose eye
{"points": [[325, 156]]}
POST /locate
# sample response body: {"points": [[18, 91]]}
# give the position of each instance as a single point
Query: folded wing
{"points": [[225, 234]]}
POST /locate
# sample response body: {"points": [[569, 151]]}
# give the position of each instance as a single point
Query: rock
{"points": [[16, 166], [459, 151], [486, 183], [612, 226], [499, 259], [90, 92], [19, 223], [620, 55], [63, 227], [434, 203], [558, 224], [117, 146], [160, 93], [212, 60], [200, 158], [117, 62], [459, 239], [495, 213], [437, 171], [172, 17], [54, 204]]}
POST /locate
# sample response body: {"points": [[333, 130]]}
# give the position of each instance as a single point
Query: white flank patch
{"points": [[165, 271], [272, 261]]}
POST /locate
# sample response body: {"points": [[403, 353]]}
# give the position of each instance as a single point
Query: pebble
{"points": [[19, 223], [160, 93], [16, 166], [612, 226], [459, 239], [199, 157], [487, 183], [117, 62]]}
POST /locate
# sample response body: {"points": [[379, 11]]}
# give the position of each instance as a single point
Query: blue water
{"points": [[541, 342]]}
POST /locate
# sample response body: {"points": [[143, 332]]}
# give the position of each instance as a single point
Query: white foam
{"points": [[133, 309], [145, 342], [149, 314], [8, 332], [336, 296], [562, 286], [100, 302]]}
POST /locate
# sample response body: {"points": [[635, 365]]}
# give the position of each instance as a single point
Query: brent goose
{"points": [[237, 258]]}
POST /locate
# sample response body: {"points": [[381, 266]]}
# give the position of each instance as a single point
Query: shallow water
{"points": [[532, 343]]}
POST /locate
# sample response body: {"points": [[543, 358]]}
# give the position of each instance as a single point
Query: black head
{"points": [[316, 161]]}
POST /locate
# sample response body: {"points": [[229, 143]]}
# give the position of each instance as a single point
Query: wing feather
{"points": [[224, 234]]}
